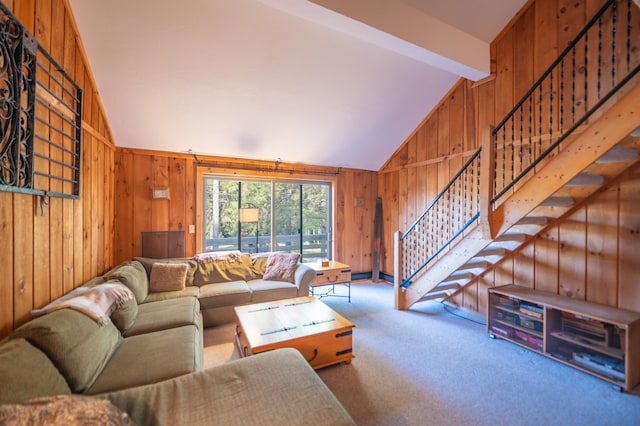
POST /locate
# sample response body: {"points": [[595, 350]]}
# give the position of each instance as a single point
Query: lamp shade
{"points": [[248, 215]]}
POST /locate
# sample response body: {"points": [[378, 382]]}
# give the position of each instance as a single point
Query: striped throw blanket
{"points": [[96, 302]]}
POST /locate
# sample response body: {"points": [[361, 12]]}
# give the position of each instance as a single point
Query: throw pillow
{"points": [[168, 276], [134, 276], [124, 314], [148, 262], [281, 267]]}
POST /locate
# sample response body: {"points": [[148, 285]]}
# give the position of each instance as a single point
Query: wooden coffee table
{"points": [[322, 335]]}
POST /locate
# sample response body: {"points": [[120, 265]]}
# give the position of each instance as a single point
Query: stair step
{"points": [[618, 154], [534, 220], [558, 202], [434, 295], [511, 237], [492, 251], [586, 179], [458, 277], [446, 287], [475, 264]]}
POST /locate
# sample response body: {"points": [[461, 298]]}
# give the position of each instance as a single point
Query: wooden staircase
{"points": [[590, 160]]}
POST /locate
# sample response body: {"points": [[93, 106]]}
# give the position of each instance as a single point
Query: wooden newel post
{"points": [[399, 302], [487, 172]]}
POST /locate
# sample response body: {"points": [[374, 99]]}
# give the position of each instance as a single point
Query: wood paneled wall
{"points": [[593, 254], [138, 171], [430, 157], [51, 249], [581, 257]]}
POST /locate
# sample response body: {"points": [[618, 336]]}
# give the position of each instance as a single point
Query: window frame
{"points": [[209, 171]]}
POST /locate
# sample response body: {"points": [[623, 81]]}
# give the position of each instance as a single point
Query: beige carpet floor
{"points": [[428, 366]]}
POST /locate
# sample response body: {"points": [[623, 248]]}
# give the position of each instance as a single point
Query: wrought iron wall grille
{"points": [[449, 214], [40, 117], [593, 68]]}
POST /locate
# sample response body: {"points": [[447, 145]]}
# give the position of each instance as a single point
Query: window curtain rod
{"points": [[276, 168]]}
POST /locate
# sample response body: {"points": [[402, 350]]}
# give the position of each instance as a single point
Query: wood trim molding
{"points": [[106, 141], [422, 123], [427, 162], [85, 59]]}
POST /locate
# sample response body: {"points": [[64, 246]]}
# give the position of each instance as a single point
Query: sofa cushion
{"points": [[75, 343], [134, 276], [281, 267], [276, 387], [26, 372], [69, 410], [165, 314], [224, 294], [168, 276], [188, 292], [223, 269], [148, 262], [152, 357], [125, 314], [266, 291]]}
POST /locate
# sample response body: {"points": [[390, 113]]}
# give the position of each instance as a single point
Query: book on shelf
{"points": [[600, 364], [531, 310], [509, 302], [502, 331]]}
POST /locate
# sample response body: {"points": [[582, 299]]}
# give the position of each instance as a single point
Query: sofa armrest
{"points": [[303, 278]]}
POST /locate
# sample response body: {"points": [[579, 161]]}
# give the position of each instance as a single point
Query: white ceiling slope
{"points": [[323, 82]]}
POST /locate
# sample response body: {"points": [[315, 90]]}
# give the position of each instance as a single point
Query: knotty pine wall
{"points": [[583, 257], [138, 171], [430, 157], [47, 254]]}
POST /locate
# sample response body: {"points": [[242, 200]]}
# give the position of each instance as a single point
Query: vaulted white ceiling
{"points": [[323, 82]]}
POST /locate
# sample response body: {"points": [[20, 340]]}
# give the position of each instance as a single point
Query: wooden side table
{"points": [[335, 273]]}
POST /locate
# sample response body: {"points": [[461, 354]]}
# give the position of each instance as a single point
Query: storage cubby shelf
{"points": [[597, 339]]}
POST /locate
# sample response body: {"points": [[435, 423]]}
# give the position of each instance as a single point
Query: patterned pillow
{"points": [[64, 409], [168, 276], [281, 267]]}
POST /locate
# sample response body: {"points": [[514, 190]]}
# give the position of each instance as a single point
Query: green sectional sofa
{"points": [[227, 279], [147, 358]]}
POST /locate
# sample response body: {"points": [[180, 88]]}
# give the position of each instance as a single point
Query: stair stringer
{"points": [[598, 138], [474, 241]]}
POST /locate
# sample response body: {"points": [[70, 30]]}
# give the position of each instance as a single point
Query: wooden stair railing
{"points": [[529, 179]]}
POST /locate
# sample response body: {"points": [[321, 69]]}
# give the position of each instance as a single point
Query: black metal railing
{"points": [[455, 208], [576, 87], [592, 68]]}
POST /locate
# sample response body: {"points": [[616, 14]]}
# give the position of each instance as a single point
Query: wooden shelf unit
{"points": [[599, 340]]}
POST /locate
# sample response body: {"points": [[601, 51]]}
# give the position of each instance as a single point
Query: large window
{"points": [[263, 215]]}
